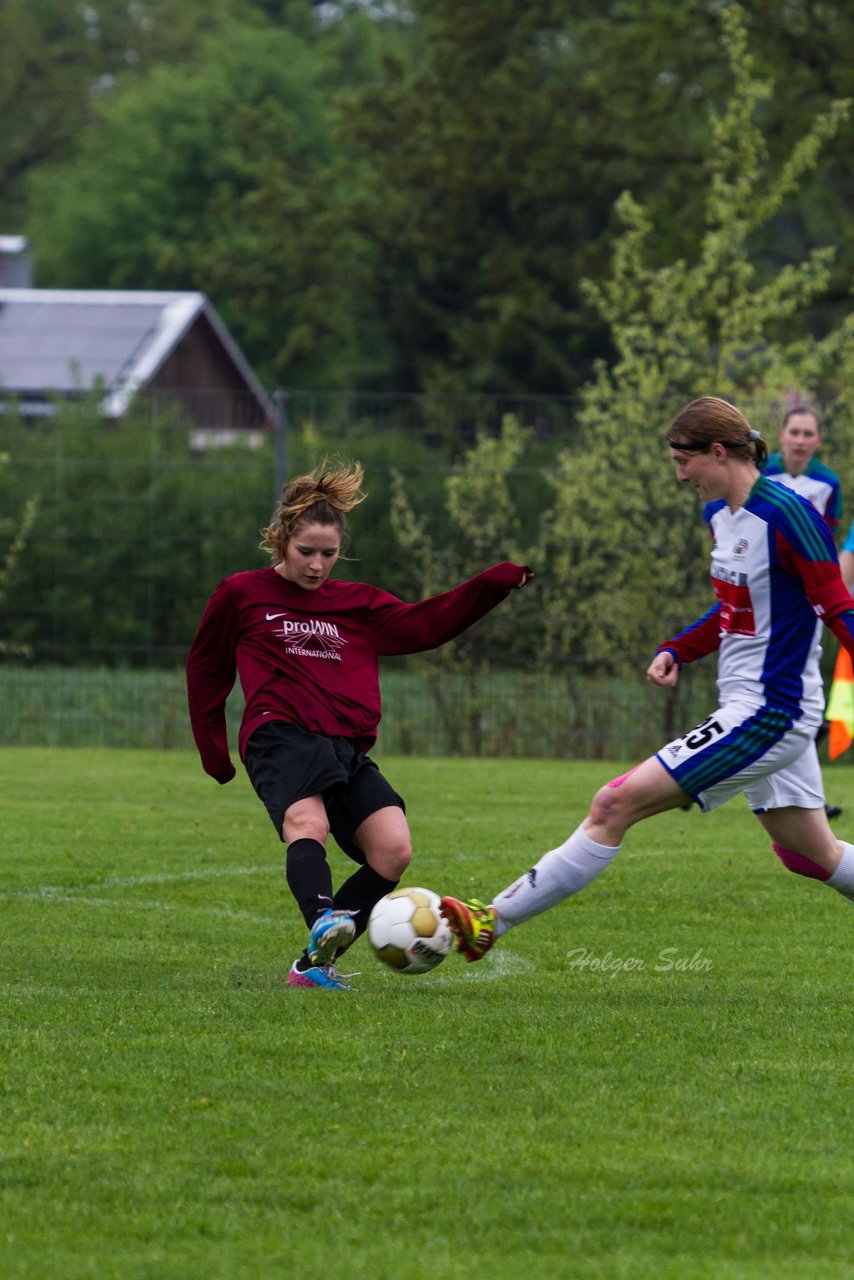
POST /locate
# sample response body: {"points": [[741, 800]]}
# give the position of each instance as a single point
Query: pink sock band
{"points": [[801, 865]]}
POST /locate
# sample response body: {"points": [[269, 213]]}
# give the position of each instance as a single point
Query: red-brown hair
{"points": [[322, 496]]}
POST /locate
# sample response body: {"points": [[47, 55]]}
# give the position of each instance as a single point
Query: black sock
{"points": [[309, 878], [360, 893]]}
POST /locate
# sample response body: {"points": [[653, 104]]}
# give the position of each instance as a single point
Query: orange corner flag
{"points": [[840, 706]]}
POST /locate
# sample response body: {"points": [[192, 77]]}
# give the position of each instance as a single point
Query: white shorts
{"points": [[761, 751]]}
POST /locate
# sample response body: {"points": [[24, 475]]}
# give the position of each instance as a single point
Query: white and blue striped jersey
{"points": [[776, 578], [819, 484]]}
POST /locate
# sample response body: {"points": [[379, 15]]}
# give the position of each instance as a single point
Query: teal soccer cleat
{"points": [[328, 935]]}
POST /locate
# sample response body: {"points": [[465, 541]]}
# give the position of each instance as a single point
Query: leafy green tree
{"points": [[144, 191], [283, 257], [808, 52], [482, 508], [216, 176], [464, 153], [45, 70], [400, 204], [627, 542], [485, 526], [58, 61], [492, 161]]}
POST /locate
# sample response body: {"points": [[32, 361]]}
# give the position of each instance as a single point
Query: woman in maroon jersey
{"points": [[306, 648]]}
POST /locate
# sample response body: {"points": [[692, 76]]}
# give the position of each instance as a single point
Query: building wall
{"points": [[199, 361]]}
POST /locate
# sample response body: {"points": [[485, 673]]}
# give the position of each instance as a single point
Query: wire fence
{"points": [[504, 713], [134, 524]]}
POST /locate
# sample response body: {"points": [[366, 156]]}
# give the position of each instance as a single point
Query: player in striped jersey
{"points": [[797, 467], [776, 580]]}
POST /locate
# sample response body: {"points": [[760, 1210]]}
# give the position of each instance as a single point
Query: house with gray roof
{"points": [[15, 262], [125, 344]]}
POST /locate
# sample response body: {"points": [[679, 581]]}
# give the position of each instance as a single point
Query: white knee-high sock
{"points": [[843, 877], [558, 874]]}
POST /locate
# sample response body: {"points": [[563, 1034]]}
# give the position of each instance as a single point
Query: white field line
{"points": [[499, 964], [123, 904], [67, 893], [84, 893]]}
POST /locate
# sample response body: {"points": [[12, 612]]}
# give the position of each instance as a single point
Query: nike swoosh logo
{"points": [[271, 616]]}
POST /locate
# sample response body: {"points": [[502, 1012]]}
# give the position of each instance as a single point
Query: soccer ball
{"points": [[406, 931]]}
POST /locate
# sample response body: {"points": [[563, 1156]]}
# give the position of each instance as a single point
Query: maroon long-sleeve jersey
{"points": [[310, 658]]}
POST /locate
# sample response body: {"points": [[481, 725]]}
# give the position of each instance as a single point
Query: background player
{"points": [[797, 467]]}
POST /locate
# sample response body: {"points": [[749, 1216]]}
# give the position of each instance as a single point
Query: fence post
{"points": [[280, 398]]}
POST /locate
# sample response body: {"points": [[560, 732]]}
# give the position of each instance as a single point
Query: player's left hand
{"points": [[663, 670]]}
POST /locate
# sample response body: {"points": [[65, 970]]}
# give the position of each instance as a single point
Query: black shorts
{"points": [[286, 764]]}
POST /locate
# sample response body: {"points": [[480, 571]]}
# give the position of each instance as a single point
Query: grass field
{"points": [[650, 1082]]}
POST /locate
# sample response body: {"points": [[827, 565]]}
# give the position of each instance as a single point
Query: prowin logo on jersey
{"points": [[312, 638]]}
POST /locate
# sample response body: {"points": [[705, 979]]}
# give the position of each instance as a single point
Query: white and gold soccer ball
{"points": [[406, 931]]}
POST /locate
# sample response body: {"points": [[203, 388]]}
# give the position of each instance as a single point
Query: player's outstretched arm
{"points": [[412, 628]]}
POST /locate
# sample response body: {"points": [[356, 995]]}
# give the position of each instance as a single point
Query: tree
{"points": [[627, 544], [464, 153], [218, 176], [45, 67], [808, 50], [399, 204], [485, 527], [59, 61], [283, 257], [492, 162], [151, 199]]}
